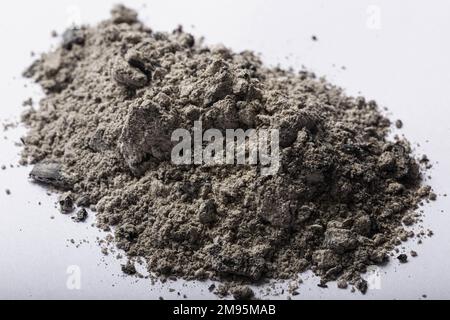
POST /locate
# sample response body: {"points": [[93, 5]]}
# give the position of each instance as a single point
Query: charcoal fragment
{"points": [[66, 203], [51, 174]]}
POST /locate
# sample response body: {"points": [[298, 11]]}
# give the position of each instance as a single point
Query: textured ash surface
{"points": [[115, 93]]}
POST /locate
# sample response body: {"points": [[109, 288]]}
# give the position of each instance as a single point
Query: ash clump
{"points": [[115, 92]]}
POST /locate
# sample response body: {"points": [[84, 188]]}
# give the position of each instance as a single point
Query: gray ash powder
{"points": [[115, 92]]}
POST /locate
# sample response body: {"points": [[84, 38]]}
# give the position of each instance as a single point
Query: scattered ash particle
{"points": [[342, 284], [403, 258], [362, 286], [129, 268], [81, 216], [66, 204], [28, 102]]}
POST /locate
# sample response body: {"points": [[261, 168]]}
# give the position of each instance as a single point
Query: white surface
{"points": [[400, 60]]}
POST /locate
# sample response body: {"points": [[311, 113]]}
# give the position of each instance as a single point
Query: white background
{"points": [[396, 52]]}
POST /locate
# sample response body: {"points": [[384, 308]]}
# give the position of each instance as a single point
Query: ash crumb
{"points": [[129, 268], [8, 192], [242, 293], [293, 287], [403, 258], [414, 254], [362, 286], [433, 196], [222, 291], [66, 204], [105, 252], [3, 167], [322, 284], [83, 201], [314, 38], [409, 220], [211, 288], [28, 102], [9, 125], [342, 284], [81, 216], [424, 159], [399, 124]]}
